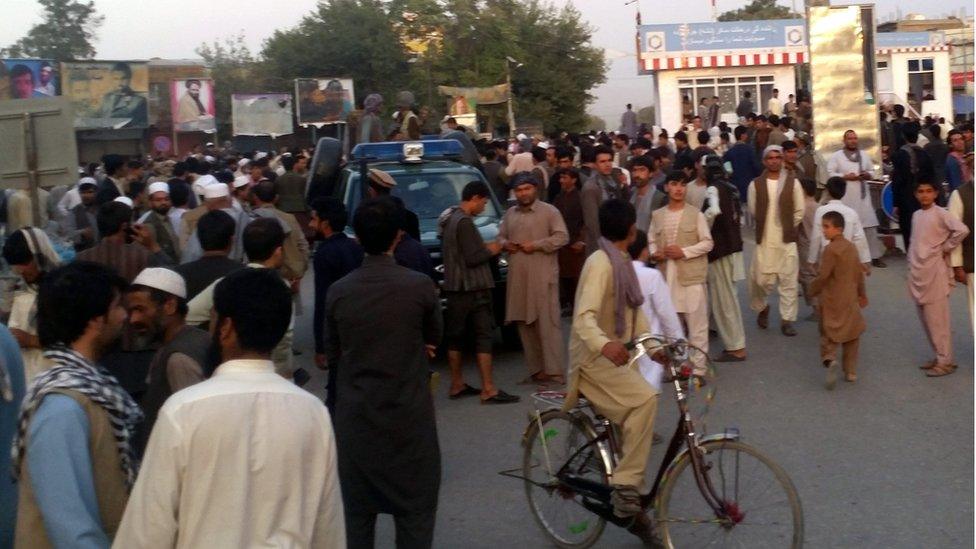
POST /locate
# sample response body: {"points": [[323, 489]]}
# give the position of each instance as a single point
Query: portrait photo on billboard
{"points": [[192, 104], [107, 94], [29, 79], [324, 100]]}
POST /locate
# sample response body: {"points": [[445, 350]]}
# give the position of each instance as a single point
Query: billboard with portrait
{"points": [[29, 79], [261, 113], [324, 100], [107, 94], [192, 104]]}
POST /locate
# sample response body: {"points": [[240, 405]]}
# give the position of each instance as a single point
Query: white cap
{"points": [[217, 190], [209, 144], [241, 181], [202, 183], [163, 279], [209, 158], [259, 155], [243, 162], [87, 181], [521, 136], [159, 187], [124, 200]]}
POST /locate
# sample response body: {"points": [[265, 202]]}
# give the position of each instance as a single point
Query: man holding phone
{"points": [[532, 232]]}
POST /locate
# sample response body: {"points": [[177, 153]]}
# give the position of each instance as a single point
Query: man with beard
{"points": [[46, 84], [156, 302], [123, 102], [599, 188], [245, 441], [190, 109], [775, 200], [72, 454], [157, 220], [856, 168], [80, 225], [645, 197], [532, 232]]}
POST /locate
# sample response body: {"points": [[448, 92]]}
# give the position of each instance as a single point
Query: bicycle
{"points": [[697, 496]]}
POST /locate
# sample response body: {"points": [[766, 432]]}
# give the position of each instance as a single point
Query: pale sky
{"points": [[174, 29]]}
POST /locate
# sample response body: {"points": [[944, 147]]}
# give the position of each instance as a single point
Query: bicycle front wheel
{"points": [[557, 509], [764, 506]]}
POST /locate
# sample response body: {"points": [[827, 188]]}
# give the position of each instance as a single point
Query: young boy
{"points": [[840, 288], [935, 233], [679, 242]]}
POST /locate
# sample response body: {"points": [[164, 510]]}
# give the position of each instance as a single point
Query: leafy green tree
{"points": [[594, 122], [757, 10], [66, 33], [646, 116]]}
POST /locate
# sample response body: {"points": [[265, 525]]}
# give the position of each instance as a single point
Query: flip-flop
{"points": [[728, 357], [466, 391], [501, 398], [940, 370]]}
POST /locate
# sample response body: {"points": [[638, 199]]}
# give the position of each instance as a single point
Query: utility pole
{"points": [[508, 80]]}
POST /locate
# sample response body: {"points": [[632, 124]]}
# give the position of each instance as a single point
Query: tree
{"points": [[66, 33], [234, 70], [646, 116], [594, 122], [388, 46], [757, 10]]}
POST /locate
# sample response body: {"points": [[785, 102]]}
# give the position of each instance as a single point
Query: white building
{"points": [[690, 61]]}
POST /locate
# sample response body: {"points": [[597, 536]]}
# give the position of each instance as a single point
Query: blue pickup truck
{"points": [[430, 175]]}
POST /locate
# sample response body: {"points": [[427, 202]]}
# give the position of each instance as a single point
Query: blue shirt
{"points": [[60, 469], [335, 257], [9, 414], [745, 166]]}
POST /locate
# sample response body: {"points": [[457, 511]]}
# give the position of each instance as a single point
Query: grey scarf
{"points": [[855, 157], [626, 289]]}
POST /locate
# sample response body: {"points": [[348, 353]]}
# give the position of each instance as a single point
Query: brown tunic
{"points": [[533, 279], [839, 284]]}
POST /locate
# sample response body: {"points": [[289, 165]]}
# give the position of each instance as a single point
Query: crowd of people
{"points": [[148, 362]]}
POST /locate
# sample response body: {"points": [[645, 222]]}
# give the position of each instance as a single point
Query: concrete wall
{"points": [[669, 99]]}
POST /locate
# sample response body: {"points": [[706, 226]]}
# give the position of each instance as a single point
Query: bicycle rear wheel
{"points": [[760, 495], [557, 509]]}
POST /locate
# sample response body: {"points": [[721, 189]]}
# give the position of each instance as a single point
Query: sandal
{"points": [[940, 370], [501, 397], [928, 365], [728, 357], [466, 391]]}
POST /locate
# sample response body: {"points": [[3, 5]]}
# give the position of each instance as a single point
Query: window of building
{"points": [[730, 91], [921, 79]]}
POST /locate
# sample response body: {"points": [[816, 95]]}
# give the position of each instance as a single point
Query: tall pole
{"points": [[511, 113]]}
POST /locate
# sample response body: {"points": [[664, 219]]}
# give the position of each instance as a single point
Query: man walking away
{"points": [[264, 244], [911, 165], [72, 454], [276, 483], [467, 287], [382, 323], [532, 232], [840, 287], [216, 233], [776, 202], [725, 269], [156, 303], [936, 233]]}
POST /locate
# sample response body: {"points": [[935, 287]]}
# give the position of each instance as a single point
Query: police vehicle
{"points": [[430, 175]]}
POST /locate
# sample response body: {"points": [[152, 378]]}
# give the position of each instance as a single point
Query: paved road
{"points": [[886, 462]]}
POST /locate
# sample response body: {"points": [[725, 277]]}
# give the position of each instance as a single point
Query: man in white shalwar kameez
{"points": [[856, 168]]}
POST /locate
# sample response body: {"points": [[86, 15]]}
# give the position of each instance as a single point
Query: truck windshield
{"points": [[429, 194]]}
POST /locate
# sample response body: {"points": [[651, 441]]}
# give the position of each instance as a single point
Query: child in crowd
{"points": [[840, 288], [935, 233]]}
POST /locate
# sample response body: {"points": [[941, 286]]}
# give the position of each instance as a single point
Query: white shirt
{"points": [[852, 231], [774, 106], [956, 208], [661, 317], [244, 459], [838, 166], [774, 255]]}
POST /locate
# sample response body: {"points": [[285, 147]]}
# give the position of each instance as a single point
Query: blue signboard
{"points": [[725, 36], [908, 39]]}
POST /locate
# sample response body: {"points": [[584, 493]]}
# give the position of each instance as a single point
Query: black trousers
{"points": [[413, 531]]}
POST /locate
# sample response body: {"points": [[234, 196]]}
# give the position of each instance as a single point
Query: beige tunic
{"points": [[774, 256], [532, 278], [691, 297]]}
